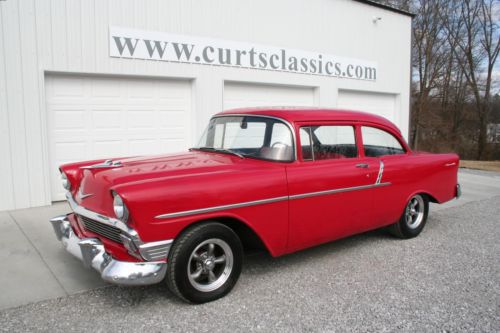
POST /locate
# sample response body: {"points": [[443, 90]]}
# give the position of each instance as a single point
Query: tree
{"points": [[474, 33]]}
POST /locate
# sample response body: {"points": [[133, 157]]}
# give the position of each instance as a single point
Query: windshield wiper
{"points": [[219, 150]]}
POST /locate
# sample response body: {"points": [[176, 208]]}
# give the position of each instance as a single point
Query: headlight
{"points": [[65, 182], [119, 207]]}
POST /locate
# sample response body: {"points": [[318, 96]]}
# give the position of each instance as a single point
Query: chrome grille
{"points": [[102, 229]]}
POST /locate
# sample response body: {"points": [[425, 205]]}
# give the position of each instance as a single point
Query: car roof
{"points": [[299, 114]]}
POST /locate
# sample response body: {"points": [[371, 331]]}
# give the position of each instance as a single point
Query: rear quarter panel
{"points": [[432, 174]]}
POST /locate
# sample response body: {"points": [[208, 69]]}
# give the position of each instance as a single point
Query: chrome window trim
{"points": [[270, 200], [289, 125]]}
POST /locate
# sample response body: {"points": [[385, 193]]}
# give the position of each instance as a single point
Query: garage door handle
{"points": [[362, 165]]}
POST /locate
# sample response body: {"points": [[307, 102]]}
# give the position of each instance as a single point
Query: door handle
{"points": [[362, 165]]}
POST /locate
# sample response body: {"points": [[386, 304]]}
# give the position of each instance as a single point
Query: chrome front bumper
{"points": [[91, 251]]}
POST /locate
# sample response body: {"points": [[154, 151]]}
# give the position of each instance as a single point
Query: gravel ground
{"points": [[447, 279]]}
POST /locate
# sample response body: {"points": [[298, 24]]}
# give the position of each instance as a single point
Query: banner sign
{"points": [[150, 45]]}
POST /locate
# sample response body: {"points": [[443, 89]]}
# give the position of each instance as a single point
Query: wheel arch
{"points": [[249, 238], [430, 197]]}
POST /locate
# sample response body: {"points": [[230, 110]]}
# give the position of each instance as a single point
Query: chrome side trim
{"points": [[155, 250], [339, 190], [290, 127], [266, 201], [380, 172], [218, 208]]}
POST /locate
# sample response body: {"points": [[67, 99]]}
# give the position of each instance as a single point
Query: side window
{"points": [[305, 142], [280, 136], [377, 142], [328, 142]]}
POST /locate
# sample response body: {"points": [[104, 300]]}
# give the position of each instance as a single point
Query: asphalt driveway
{"points": [[448, 279]]}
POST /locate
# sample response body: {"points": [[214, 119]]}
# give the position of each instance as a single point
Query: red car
{"points": [[278, 179]]}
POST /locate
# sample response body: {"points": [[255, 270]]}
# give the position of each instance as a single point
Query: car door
{"points": [[380, 146], [329, 187]]}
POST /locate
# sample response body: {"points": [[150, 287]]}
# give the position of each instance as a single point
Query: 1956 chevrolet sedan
{"points": [[276, 179]]}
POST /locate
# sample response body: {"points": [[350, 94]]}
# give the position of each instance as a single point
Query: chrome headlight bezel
{"points": [[65, 181], [119, 207]]}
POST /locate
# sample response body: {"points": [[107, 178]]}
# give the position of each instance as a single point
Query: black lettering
{"points": [[292, 64], [312, 64], [262, 60], [205, 54], [303, 65], [349, 68], [338, 69], [157, 46], [128, 43], [183, 49], [272, 61], [238, 56], [224, 60], [328, 66], [252, 57]]}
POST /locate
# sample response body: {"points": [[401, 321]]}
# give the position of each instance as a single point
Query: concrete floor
{"points": [[35, 266]]}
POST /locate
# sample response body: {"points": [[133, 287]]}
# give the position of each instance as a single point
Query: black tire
{"points": [[181, 258], [404, 228]]}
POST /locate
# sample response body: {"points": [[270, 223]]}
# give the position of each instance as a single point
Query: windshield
{"points": [[249, 136]]}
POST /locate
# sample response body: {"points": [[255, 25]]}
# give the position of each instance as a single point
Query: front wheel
{"points": [[413, 219], [204, 263]]}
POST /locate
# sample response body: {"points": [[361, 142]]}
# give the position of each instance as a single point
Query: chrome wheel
{"points": [[414, 213], [210, 265]]}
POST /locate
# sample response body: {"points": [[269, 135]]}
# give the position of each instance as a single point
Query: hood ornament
{"points": [[105, 164]]}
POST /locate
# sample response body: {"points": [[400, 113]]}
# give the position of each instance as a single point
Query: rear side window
{"points": [[328, 142], [377, 142]]}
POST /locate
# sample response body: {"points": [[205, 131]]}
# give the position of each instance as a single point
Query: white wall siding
{"points": [[42, 37]]}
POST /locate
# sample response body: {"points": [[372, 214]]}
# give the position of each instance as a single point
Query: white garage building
{"points": [[83, 79]]}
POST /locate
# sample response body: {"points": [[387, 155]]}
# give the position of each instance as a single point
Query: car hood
{"points": [[97, 183]]}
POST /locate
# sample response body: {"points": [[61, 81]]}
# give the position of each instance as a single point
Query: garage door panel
{"points": [[106, 148], [381, 104], [106, 119], [248, 94], [99, 117], [65, 119]]}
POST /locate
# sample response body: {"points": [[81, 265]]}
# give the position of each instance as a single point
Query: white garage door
{"points": [[378, 103], [103, 117], [246, 95]]}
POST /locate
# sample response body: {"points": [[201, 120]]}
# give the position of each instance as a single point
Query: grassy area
{"points": [[481, 165]]}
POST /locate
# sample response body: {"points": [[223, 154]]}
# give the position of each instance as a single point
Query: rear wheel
{"points": [[204, 263], [413, 219]]}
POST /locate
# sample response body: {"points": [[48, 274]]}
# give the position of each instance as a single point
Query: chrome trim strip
{"points": [[98, 217], [380, 172], [266, 201], [339, 190], [290, 127], [218, 208]]}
